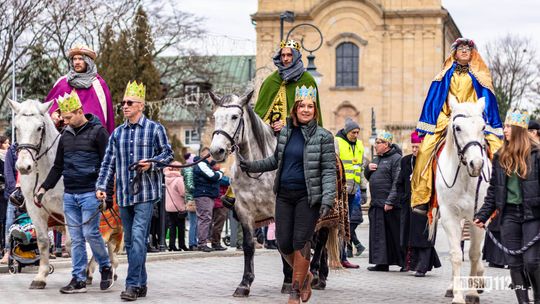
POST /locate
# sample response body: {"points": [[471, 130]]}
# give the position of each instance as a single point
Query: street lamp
{"points": [[373, 136], [285, 16], [311, 68]]}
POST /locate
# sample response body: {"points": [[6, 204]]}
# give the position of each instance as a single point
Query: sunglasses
{"points": [[128, 102], [464, 48]]}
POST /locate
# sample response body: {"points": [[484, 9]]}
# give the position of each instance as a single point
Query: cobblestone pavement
{"points": [[204, 278]]}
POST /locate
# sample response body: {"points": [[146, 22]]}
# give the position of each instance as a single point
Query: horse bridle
{"points": [[461, 151], [37, 148], [461, 155], [234, 138]]}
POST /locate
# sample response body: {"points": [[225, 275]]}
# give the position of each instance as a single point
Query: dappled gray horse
{"points": [[37, 140], [239, 131]]}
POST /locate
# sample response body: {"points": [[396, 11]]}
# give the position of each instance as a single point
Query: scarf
{"points": [[293, 72], [82, 80]]}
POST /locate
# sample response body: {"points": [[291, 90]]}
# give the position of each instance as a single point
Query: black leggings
{"points": [[515, 233], [295, 220]]}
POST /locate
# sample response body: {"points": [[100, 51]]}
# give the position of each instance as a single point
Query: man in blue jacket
{"points": [[206, 182], [81, 149]]}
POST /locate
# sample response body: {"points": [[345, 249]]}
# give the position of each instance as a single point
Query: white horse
{"points": [[239, 130], [37, 140], [462, 179]]}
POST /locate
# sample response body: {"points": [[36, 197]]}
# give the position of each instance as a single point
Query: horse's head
{"points": [[30, 121], [466, 129], [228, 125]]}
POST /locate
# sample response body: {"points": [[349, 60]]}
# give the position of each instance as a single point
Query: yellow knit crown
{"points": [[135, 91], [69, 102]]}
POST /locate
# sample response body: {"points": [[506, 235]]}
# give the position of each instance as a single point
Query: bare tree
{"points": [[19, 32], [512, 62]]}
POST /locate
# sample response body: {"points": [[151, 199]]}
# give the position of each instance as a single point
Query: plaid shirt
{"points": [[131, 143]]}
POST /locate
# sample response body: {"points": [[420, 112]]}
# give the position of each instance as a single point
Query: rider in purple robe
{"points": [[90, 87]]}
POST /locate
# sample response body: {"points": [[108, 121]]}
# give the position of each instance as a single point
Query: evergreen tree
{"points": [[143, 65], [38, 76]]}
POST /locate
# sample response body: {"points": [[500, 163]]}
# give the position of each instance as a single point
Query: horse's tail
{"points": [[333, 246], [432, 228]]}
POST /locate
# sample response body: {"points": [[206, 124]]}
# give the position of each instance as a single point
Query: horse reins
{"points": [[461, 154]]}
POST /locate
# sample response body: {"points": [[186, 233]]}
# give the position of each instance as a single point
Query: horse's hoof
{"points": [[241, 292], [37, 285], [480, 290], [286, 288], [449, 293], [472, 299]]}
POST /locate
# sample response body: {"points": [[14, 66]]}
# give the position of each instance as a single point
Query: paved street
{"points": [[198, 278]]}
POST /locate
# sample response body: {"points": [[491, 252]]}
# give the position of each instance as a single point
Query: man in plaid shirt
{"points": [[139, 139]]}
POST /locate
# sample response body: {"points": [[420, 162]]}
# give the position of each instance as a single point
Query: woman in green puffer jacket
{"points": [[305, 185]]}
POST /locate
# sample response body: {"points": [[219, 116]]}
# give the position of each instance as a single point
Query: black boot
{"points": [[534, 277], [519, 283]]}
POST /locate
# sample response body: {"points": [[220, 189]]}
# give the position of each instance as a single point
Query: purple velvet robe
{"points": [[96, 99]]}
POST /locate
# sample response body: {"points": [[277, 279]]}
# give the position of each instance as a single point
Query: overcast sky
{"points": [[230, 30]]}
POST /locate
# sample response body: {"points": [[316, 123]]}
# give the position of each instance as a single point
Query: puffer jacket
{"points": [[174, 191], [530, 190], [319, 162], [383, 181]]}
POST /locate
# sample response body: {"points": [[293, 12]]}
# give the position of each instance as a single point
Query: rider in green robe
{"points": [[276, 94]]}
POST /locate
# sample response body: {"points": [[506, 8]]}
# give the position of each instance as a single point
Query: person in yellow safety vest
{"points": [[351, 153]]}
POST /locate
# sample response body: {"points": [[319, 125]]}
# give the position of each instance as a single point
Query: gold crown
{"points": [[517, 118], [290, 44], [69, 102], [80, 49], [135, 92], [305, 93]]}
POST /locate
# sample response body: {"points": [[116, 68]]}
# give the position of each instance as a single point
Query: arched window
{"points": [[347, 65]]}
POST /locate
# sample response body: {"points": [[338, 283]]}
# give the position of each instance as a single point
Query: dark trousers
{"points": [[177, 221], [219, 217], [515, 233], [295, 220]]}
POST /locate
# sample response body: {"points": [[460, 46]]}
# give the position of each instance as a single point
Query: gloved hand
{"points": [[324, 211], [109, 202], [244, 166], [38, 197], [363, 200]]}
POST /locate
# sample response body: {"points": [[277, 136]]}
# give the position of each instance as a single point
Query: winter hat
{"points": [[534, 125], [350, 125]]}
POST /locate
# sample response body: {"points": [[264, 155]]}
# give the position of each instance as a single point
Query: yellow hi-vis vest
{"points": [[352, 162]]}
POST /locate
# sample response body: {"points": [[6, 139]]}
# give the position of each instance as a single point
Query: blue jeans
{"points": [[136, 221], [79, 208], [10, 218], [192, 216]]}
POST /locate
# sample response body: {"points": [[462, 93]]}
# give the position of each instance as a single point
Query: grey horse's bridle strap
{"points": [[234, 138]]}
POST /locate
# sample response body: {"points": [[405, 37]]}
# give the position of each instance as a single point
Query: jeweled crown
{"points": [[385, 135], [517, 118], [290, 44], [69, 102], [305, 93], [135, 91]]}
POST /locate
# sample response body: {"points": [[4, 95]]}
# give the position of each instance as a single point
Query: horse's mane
{"points": [[259, 129]]}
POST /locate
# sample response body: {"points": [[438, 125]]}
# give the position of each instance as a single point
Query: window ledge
{"points": [[347, 88]]}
